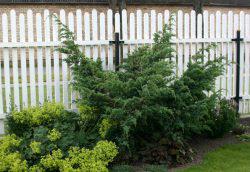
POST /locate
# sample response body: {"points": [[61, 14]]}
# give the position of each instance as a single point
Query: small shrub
{"points": [[244, 137], [222, 120], [240, 129], [49, 138]]}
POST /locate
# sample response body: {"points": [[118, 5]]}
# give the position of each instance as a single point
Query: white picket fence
{"points": [[32, 71]]}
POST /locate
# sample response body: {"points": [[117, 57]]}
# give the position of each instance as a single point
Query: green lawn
{"points": [[230, 158]]}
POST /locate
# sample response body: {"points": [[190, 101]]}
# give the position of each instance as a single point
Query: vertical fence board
{"points": [[153, 23], [94, 33], [64, 68], [180, 45], [56, 61], [15, 59], [87, 33], [23, 61], [48, 55], [32, 70], [110, 37], [224, 54], [71, 25], [6, 59], [186, 36], [230, 57], [40, 58], [160, 22], [125, 32], [218, 48], [247, 56], [103, 37], [235, 28], [132, 30]]}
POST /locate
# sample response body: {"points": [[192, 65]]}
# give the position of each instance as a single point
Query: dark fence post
{"points": [[237, 97], [117, 43]]}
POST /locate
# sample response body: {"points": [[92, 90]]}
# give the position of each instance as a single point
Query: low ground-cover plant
{"points": [[49, 138], [144, 108]]}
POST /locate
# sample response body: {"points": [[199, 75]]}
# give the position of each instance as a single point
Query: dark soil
{"points": [[204, 145]]}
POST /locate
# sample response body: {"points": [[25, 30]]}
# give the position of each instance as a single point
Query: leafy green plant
{"points": [[76, 159], [49, 138]]}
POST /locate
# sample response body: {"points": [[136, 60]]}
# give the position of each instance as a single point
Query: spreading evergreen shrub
{"points": [[145, 108]]}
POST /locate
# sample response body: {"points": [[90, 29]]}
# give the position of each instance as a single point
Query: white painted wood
{"points": [[235, 28], [48, 55], [87, 33], [56, 61], [205, 33], [94, 33], [110, 37], [153, 24], [230, 56], [71, 25], [199, 30], [212, 34], [193, 30], [139, 24], [242, 54], [103, 37], [79, 26], [186, 36], [23, 57], [132, 30], [224, 55], [166, 17], [117, 23], [32, 71], [180, 45], [13, 30], [218, 48], [146, 26], [160, 22], [247, 56], [64, 68], [5, 31], [40, 72], [125, 32]]}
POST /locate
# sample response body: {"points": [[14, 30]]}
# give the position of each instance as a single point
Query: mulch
{"points": [[204, 145]]}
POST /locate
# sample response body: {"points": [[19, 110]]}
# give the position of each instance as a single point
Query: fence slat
{"points": [[110, 37], [6, 59], [132, 30], [235, 28], [94, 33], [103, 37], [87, 33], [193, 31], [22, 34], [186, 46], [146, 26], [31, 59], [139, 25], [125, 32], [218, 48], [72, 29], [153, 23], [247, 53], [224, 54], [15, 59], [180, 45], [242, 52], [64, 69], [56, 61], [160, 22], [48, 55], [230, 58], [40, 58]]}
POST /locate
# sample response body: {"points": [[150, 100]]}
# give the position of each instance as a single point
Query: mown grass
{"points": [[144, 168], [230, 158]]}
